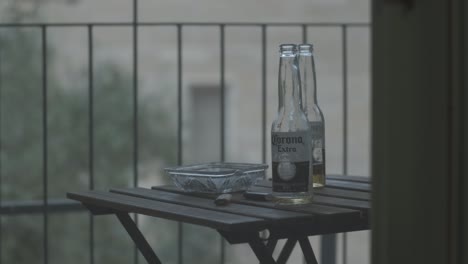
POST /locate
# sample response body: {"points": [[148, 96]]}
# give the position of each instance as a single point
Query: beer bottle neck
{"points": [[289, 84], [308, 79]]}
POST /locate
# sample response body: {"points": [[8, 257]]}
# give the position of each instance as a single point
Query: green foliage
{"points": [[68, 148], [21, 155]]}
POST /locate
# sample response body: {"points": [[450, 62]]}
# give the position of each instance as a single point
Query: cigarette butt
{"points": [[223, 199]]}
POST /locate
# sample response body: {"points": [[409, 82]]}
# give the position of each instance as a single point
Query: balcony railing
{"points": [[47, 206]]}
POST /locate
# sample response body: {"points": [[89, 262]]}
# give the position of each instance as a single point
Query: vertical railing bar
{"points": [[44, 142], [179, 131], [135, 93], [1, 182], [345, 248], [304, 40], [223, 113], [345, 99], [223, 89], [344, 32], [91, 135], [179, 94], [264, 92], [328, 244], [304, 33], [135, 110], [330, 240]]}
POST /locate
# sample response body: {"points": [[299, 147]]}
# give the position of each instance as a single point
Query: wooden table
{"points": [[342, 206]]}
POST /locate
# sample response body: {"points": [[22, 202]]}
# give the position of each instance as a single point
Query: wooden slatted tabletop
{"points": [[342, 205]]}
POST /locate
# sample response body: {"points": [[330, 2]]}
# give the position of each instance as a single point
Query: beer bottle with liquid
{"points": [[313, 112]]}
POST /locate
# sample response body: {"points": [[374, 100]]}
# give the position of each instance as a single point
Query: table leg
{"points": [[138, 238], [264, 252], [286, 251], [271, 244], [261, 251], [307, 251]]}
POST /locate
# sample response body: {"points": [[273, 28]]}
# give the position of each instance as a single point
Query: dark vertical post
{"points": [[458, 188], [223, 115], [304, 40], [135, 93], [304, 33], [328, 250], [264, 106], [179, 130], [345, 248], [223, 89], [44, 142], [345, 97], [344, 31], [135, 107], [1, 240], [91, 135], [179, 94]]}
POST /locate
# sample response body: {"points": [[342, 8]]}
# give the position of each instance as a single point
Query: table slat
{"points": [[329, 191], [337, 184], [350, 178], [274, 215], [363, 206], [322, 212], [341, 193], [209, 218], [347, 185]]}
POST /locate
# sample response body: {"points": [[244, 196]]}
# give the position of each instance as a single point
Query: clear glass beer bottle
{"points": [[290, 139], [313, 112]]}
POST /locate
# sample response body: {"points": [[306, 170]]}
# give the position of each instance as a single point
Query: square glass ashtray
{"points": [[217, 177]]}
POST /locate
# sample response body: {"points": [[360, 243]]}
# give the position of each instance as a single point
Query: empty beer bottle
{"points": [[290, 139]]}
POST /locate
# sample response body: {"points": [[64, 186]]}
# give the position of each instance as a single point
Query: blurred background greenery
{"points": [[68, 148]]}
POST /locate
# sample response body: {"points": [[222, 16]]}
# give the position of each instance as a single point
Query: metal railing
{"points": [[47, 206]]}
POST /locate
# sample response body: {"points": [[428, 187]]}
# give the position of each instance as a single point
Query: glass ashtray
{"points": [[217, 177]]}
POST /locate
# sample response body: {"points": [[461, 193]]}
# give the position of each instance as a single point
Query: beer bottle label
{"points": [[317, 144], [290, 161]]}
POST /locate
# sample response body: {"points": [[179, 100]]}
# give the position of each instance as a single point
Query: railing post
{"points": [[1, 194], [45, 143], [344, 46], [180, 227], [91, 134], [264, 91], [135, 108]]}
